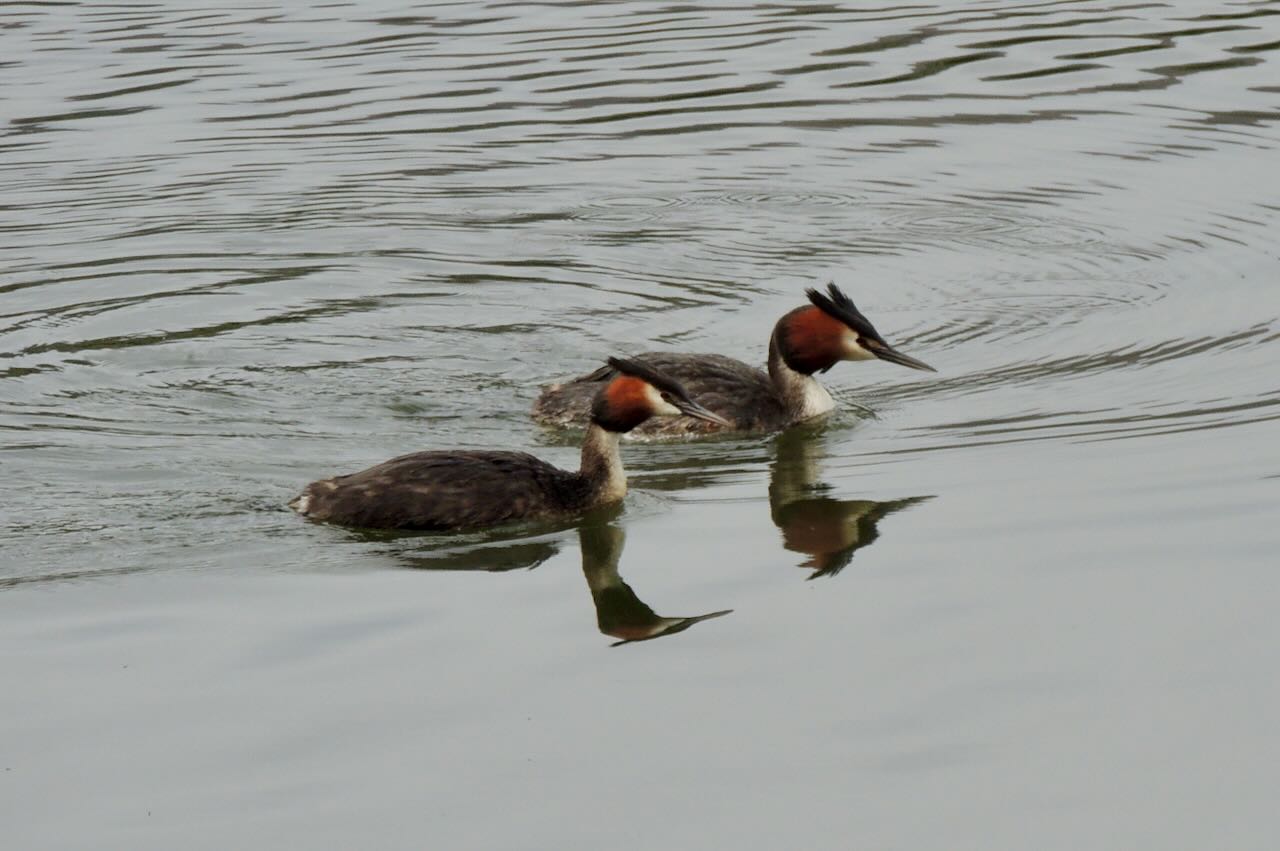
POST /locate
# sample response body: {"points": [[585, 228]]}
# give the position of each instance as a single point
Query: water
{"points": [[1028, 601]]}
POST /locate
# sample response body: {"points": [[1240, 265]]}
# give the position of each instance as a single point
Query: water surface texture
{"points": [[1027, 602]]}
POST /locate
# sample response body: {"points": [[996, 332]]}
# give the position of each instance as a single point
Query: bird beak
{"points": [[886, 352], [693, 409]]}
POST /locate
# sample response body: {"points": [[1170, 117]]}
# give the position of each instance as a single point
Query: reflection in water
{"points": [[236, 236], [492, 557], [826, 529], [831, 530], [619, 612], [347, 204]]}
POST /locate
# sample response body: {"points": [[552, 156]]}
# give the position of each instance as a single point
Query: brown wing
{"points": [[738, 392], [443, 490]]}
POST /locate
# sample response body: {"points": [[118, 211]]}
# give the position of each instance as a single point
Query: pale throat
{"points": [[602, 464], [803, 394]]}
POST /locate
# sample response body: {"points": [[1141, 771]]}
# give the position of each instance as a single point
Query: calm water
{"points": [[1028, 602]]}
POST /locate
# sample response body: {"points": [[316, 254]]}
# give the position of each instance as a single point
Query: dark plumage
{"points": [[440, 490], [464, 489], [742, 394], [836, 304], [806, 340]]}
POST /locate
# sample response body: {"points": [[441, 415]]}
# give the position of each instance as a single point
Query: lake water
{"points": [[1028, 602]]}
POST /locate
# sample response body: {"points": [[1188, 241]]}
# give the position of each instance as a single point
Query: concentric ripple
{"points": [[236, 238]]}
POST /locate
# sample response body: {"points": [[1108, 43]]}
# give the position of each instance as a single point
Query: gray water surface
{"points": [[1028, 602]]}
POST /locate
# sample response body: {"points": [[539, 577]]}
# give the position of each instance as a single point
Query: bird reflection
{"points": [[828, 530], [619, 612]]}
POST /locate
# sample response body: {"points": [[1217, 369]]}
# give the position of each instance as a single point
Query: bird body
{"points": [[743, 394], [467, 489], [435, 491], [807, 340]]}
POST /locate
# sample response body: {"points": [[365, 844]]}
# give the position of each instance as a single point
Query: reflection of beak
{"points": [[661, 627], [693, 409], [886, 352]]}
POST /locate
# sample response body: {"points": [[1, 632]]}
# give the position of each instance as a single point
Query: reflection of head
{"points": [[826, 529], [619, 612], [830, 530]]}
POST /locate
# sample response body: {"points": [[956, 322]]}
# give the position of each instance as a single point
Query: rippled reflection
{"points": [[619, 611], [826, 529]]}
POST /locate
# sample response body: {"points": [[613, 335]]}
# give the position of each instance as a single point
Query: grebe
{"points": [[463, 489], [806, 340]]}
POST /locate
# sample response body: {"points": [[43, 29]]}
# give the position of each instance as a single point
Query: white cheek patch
{"points": [[853, 350], [661, 407]]}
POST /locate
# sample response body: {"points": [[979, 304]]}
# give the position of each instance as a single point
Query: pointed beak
{"points": [[886, 352], [693, 409]]}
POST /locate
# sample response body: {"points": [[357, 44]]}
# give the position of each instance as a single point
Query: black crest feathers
{"points": [[641, 370], [839, 306]]}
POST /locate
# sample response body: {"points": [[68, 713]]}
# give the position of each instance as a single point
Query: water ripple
{"points": [[243, 235]]}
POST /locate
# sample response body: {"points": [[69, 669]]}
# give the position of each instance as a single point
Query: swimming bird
{"points": [[466, 489], [809, 339]]}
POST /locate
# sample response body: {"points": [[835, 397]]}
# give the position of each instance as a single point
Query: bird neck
{"points": [[601, 466], [802, 395]]}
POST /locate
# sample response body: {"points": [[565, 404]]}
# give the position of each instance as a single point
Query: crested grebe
{"points": [[464, 489], [806, 340]]}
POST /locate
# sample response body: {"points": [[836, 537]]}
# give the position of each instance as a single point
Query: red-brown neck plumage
{"points": [[623, 404], [810, 340]]}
